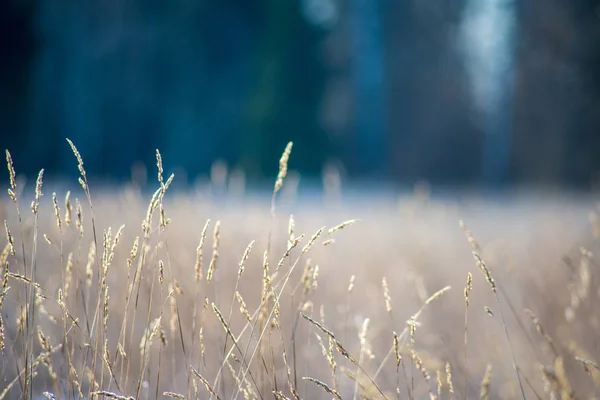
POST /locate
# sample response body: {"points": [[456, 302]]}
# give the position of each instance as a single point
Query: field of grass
{"points": [[116, 293]]}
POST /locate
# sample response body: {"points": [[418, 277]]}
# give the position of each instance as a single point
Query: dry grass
{"points": [[119, 294]]}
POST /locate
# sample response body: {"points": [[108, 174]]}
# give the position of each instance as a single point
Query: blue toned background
{"points": [[462, 92]]}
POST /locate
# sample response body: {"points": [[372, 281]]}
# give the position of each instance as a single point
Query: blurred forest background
{"points": [[456, 92]]}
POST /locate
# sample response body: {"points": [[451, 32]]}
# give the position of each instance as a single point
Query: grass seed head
{"points": [[68, 208], [215, 255], [351, 284], [323, 386], [68, 274], [468, 288], [449, 378], [56, 211], [198, 265], [386, 295], [312, 240], [243, 308], [35, 204], [79, 220], [159, 166], [11, 173], [78, 157], [484, 394], [342, 226], [90, 264], [161, 271], [9, 238], [315, 277], [283, 167], [245, 258], [291, 226], [133, 252]]}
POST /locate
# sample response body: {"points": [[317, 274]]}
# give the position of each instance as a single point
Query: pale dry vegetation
{"points": [[119, 294]]}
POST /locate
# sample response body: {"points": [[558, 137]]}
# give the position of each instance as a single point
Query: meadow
{"points": [[222, 293]]}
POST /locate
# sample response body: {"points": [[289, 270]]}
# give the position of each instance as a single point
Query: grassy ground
{"points": [[193, 296]]}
